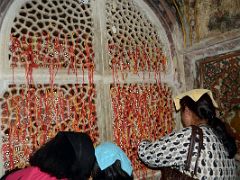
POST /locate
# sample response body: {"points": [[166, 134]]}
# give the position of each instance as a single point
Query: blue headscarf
{"points": [[107, 153]]}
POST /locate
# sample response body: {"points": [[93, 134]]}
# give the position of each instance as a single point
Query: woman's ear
{"points": [[187, 110], [187, 117]]}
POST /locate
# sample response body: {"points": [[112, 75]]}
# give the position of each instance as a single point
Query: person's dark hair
{"points": [[68, 155], [204, 109], [113, 172]]}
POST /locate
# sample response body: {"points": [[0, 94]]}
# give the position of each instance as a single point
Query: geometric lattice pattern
{"points": [[141, 111], [52, 33], [59, 34], [222, 76], [133, 42], [32, 115]]}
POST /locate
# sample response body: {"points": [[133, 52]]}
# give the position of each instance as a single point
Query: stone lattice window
{"points": [[83, 65]]}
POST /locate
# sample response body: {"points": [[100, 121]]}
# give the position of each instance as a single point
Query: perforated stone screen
{"points": [[32, 115], [52, 32], [95, 55], [141, 111], [133, 42]]}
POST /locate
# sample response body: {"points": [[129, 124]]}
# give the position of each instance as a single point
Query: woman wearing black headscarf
{"points": [[68, 156]]}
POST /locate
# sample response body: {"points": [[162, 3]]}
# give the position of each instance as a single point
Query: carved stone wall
{"points": [[84, 65]]}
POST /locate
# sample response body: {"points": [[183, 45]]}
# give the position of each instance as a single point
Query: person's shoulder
{"points": [[207, 130], [183, 132]]}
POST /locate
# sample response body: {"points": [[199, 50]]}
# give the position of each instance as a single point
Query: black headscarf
{"points": [[68, 155], [84, 151]]}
